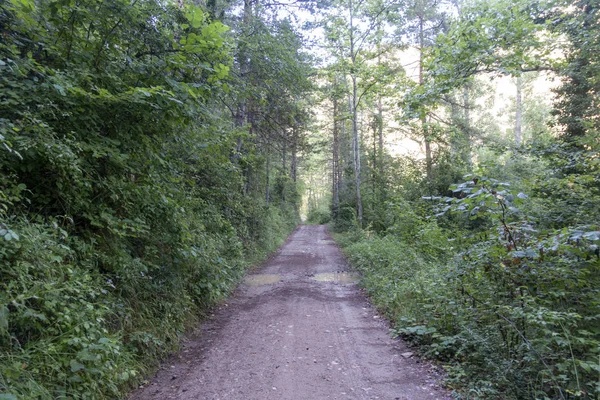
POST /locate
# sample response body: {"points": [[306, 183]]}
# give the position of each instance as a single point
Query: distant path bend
{"points": [[297, 329]]}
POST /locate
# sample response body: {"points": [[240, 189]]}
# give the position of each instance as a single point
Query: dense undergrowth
{"points": [[71, 329], [501, 285], [124, 211]]}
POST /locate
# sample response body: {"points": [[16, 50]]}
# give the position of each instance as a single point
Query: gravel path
{"points": [[297, 329]]}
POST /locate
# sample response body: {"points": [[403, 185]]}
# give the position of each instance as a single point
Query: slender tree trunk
{"points": [[356, 152], [379, 158], [380, 166], [336, 160], [244, 107], [284, 153], [283, 165], [355, 138], [467, 128], [428, 157], [248, 171], [519, 112], [240, 117], [268, 178], [374, 164], [294, 160], [346, 158], [294, 165], [427, 139]]}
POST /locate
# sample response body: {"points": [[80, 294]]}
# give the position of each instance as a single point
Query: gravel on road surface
{"points": [[298, 328]]}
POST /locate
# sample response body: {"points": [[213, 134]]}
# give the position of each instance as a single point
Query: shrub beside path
{"points": [[297, 329]]}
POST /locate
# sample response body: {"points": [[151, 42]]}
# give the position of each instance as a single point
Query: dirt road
{"points": [[297, 329]]}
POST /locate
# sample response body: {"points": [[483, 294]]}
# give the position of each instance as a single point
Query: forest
{"points": [[151, 151]]}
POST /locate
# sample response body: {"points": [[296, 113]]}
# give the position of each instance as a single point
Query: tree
{"points": [[356, 40], [505, 38], [578, 95], [269, 102]]}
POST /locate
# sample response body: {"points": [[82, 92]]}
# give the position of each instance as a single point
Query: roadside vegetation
{"points": [[507, 303], [139, 178], [483, 247]]}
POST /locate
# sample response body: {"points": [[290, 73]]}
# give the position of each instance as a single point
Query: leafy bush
{"points": [[122, 212], [513, 311], [319, 216], [345, 220], [54, 331]]}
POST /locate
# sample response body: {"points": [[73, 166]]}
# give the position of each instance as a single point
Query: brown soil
{"points": [[297, 329]]}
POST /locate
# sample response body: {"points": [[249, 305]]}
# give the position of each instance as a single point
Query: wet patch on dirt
{"points": [[261, 279], [337, 277], [327, 242], [295, 330]]}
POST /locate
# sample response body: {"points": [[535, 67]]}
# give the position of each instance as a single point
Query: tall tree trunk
{"points": [[268, 178], [244, 107], [355, 138], [294, 160], [294, 164], [380, 166], [283, 164], [519, 112], [467, 128], [356, 151], [427, 139], [374, 164], [240, 118], [428, 157], [248, 170], [336, 160], [284, 153]]}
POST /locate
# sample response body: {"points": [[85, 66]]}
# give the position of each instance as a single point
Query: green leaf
{"points": [[593, 235], [60, 89], [195, 16], [4, 312], [36, 315], [76, 366]]}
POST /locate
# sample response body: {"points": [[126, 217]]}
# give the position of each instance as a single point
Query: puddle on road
{"points": [[338, 277], [326, 241], [260, 280]]}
